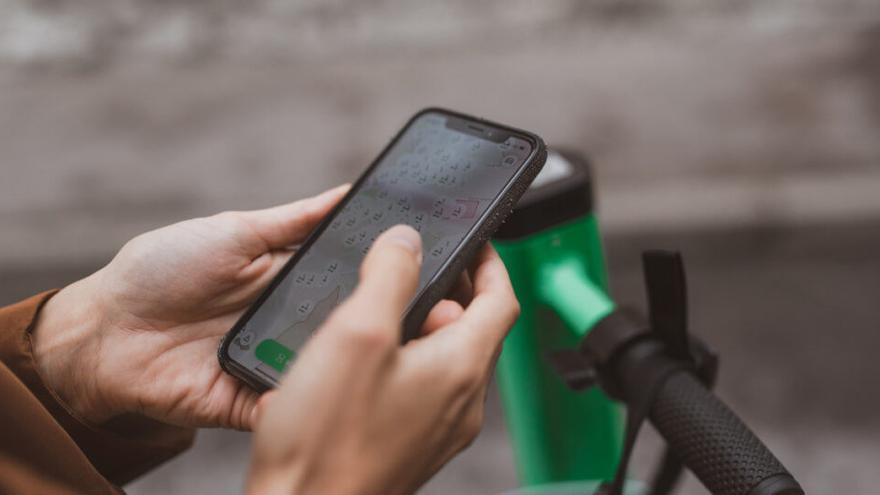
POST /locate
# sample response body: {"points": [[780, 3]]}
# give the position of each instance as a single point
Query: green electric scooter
{"points": [[574, 362]]}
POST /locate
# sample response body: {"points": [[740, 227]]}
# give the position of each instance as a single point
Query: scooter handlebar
{"points": [[714, 443]]}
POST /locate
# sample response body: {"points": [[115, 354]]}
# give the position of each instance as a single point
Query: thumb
{"points": [[389, 277], [282, 226]]}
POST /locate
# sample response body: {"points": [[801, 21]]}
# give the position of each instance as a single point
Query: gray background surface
{"points": [[745, 133]]}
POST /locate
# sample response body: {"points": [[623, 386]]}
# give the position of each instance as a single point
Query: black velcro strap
{"points": [[667, 300], [574, 368], [636, 413]]}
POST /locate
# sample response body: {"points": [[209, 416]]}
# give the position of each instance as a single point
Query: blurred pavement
{"points": [[793, 313]]}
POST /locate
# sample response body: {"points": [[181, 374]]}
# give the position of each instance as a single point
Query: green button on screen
{"points": [[273, 354]]}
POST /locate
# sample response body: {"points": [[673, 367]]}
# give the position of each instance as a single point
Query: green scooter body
{"points": [[560, 279], [557, 434]]}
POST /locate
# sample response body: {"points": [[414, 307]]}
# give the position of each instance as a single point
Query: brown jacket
{"points": [[45, 448]]}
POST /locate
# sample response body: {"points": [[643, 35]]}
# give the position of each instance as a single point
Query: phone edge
{"points": [[534, 163]]}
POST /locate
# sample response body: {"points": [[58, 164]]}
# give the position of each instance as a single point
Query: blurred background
{"points": [[745, 133]]}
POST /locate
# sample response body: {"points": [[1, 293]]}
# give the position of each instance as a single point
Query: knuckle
{"points": [[301, 210], [514, 310], [229, 220], [466, 378], [136, 251], [366, 336], [135, 246]]}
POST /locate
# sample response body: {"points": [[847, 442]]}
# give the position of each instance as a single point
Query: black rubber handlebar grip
{"points": [[714, 443]]}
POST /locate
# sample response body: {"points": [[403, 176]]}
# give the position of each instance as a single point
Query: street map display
{"points": [[436, 179]]}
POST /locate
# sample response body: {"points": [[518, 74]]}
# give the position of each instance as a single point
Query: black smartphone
{"points": [[452, 177]]}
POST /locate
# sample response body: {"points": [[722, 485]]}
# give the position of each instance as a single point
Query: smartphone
{"points": [[452, 177]]}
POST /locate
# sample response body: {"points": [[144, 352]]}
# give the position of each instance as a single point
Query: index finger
{"points": [[494, 307]]}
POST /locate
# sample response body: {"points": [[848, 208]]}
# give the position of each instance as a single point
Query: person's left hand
{"points": [[141, 334]]}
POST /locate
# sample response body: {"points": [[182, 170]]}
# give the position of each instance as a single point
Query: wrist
{"points": [[298, 478], [65, 343], [277, 480]]}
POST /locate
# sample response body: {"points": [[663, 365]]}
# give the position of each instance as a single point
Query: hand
{"points": [[141, 334], [358, 413]]}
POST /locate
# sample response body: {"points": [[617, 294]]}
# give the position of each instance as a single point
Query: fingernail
{"points": [[407, 237], [322, 201], [339, 189], [333, 194]]}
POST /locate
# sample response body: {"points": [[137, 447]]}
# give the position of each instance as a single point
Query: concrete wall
{"points": [[126, 115]]}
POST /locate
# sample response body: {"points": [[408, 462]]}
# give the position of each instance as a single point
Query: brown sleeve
{"points": [[43, 440]]}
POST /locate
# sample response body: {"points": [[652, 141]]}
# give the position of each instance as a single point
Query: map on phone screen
{"points": [[436, 179]]}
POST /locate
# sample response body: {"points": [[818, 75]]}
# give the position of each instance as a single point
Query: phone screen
{"points": [[440, 176]]}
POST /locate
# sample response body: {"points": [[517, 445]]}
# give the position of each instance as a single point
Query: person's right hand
{"points": [[358, 413]]}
